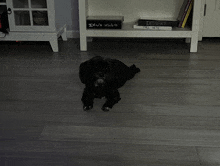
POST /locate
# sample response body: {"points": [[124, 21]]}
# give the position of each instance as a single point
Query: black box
{"points": [[104, 22]]}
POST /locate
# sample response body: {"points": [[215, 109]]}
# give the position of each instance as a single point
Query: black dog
{"points": [[102, 78]]}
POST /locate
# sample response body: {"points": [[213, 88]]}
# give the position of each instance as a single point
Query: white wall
{"points": [[71, 17], [132, 10]]}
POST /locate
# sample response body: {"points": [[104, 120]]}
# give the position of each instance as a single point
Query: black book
{"points": [[145, 22], [104, 22]]}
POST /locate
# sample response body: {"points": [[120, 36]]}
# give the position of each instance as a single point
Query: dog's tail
{"points": [[134, 70]]}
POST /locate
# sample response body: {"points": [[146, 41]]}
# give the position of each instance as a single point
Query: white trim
{"points": [[70, 34]]}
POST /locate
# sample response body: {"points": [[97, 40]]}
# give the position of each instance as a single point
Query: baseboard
{"points": [[72, 34], [75, 34]]}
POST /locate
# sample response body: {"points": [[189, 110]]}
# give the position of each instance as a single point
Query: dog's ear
{"points": [[85, 71]]}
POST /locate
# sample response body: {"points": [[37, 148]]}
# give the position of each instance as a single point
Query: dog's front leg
{"points": [[87, 99], [112, 97]]}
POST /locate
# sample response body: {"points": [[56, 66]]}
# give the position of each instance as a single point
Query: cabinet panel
{"points": [[211, 20], [40, 18], [22, 18], [32, 15], [20, 4], [38, 4]]}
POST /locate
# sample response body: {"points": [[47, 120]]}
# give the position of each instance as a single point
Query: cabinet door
{"points": [[31, 15], [211, 20]]}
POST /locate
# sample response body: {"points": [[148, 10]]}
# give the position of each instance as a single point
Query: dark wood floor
{"points": [[169, 114]]}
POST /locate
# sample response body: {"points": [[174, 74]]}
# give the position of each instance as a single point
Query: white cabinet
{"points": [[132, 10], [35, 20], [211, 19]]}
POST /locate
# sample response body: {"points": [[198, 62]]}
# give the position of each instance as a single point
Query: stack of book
{"points": [[167, 25], [147, 24]]}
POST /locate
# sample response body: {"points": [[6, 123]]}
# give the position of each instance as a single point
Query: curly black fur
{"points": [[102, 78]]}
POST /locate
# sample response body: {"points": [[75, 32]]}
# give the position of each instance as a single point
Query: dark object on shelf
{"points": [[183, 12], [40, 18], [4, 25], [104, 22], [145, 22]]}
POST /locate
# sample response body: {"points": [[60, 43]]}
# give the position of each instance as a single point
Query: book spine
{"points": [[156, 28], [103, 24], [187, 14], [184, 14]]}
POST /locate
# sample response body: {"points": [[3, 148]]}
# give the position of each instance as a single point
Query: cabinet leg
{"points": [[64, 36], [54, 44], [83, 43], [200, 38], [194, 44]]}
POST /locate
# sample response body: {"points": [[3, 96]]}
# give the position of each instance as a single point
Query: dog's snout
{"points": [[99, 82]]}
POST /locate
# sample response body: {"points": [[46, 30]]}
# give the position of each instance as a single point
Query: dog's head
{"points": [[99, 73], [94, 72]]}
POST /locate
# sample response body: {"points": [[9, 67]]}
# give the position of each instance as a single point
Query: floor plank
{"points": [[209, 156]]}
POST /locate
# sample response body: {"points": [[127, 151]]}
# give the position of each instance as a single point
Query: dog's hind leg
{"points": [[112, 97], [87, 99]]}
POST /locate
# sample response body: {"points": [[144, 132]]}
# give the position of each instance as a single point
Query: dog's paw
{"points": [[106, 109], [87, 108]]}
